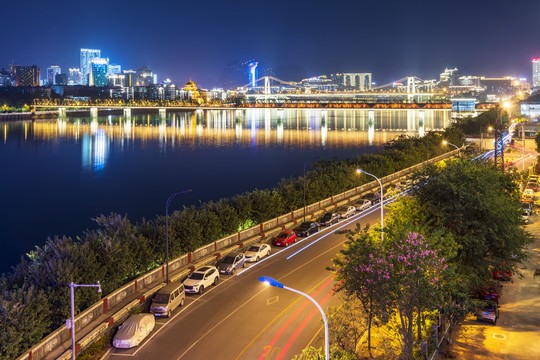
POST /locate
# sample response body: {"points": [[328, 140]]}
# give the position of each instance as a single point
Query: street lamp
{"points": [[167, 229], [482, 138], [449, 143], [267, 280], [382, 201], [523, 146], [72, 286], [304, 192]]}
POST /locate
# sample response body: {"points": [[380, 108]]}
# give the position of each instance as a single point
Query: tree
{"points": [[537, 141], [478, 207], [25, 319], [362, 272], [414, 272], [347, 324]]}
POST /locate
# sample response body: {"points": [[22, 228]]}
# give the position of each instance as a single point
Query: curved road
{"points": [[241, 318]]}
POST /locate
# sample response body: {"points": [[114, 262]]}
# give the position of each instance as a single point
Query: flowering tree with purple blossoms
{"points": [[362, 272], [402, 278], [415, 273]]}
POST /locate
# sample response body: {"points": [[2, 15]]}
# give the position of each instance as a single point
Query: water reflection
{"points": [[250, 128], [95, 151]]}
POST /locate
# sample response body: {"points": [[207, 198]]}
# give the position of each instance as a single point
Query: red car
{"points": [[285, 238], [502, 275], [491, 291]]}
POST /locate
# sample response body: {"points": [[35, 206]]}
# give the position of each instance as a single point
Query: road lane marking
{"points": [[184, 308], [272, 300], [291, 318], [277, 316], [351, 220], [301, 326]]}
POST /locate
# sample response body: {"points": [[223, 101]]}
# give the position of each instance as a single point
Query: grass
{"points": [[97, 349]]}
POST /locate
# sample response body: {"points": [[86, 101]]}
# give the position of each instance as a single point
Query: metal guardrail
{"points": [[152, 281]]}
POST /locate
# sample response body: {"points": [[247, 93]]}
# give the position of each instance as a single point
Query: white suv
{"points": [[200, 279]]}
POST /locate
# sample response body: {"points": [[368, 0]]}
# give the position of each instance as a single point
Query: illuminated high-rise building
{"points": [[86, 56], [536, 72], [253, 73], [98, 72], [130, 77], [74, 76], [27, 75], [145, 77], [51, 74], [115, 69]]}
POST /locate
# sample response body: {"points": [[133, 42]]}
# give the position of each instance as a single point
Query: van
{"points": [[167, 299]]}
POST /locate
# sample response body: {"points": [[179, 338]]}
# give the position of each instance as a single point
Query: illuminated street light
{"points": [[482, 138], [449, 143], [267, 280], [72, 287], [167, 229], [382, 201]]}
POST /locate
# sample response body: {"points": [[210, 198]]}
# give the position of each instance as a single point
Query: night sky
{"points": [[292, 39]]}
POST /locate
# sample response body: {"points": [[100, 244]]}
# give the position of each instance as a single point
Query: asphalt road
{"points": [[241, 318]]}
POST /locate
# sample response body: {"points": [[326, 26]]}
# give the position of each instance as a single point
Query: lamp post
{"points": [[382, 201], [482, 138], [270, 281], [449, 143], [72, 287], [167, 229], [523, 146], [304, 192]]}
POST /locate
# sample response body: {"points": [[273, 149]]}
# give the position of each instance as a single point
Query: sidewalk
{"points": [[517, 333]]}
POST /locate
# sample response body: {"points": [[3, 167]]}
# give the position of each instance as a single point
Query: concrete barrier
{"points": [[149, 283]]}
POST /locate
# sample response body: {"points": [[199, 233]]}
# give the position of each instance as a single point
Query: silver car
{"points": [[231, 262], [257, 251]]}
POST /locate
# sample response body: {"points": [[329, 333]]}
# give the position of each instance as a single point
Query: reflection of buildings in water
{"points": [[324, 130], [252, 118], [279, 132], [289, 128], [162, 134], [95, 150], [267, 125], [421, 123], [371, 126]]}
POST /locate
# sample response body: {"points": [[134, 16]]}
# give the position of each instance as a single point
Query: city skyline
{"points": [[390, 40]]}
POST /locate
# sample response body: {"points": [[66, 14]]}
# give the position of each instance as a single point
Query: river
{"points": [[60, 173]]}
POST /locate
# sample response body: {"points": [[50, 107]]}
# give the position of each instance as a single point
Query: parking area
{"points": [[517, 333]]}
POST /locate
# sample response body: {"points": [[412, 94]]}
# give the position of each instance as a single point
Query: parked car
{"points": [[532, 185], [285, 238], [307, 228], [528, 194], [329, 219], [201, 279], [374, 197], [488, 312], [502, 275], [362, 204], [533, 178], [525, 216], [133, 331], [231, 262], [491, 291], [167, 299], [405, 185], [528, 206], [257, 251], [346, 212]]}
